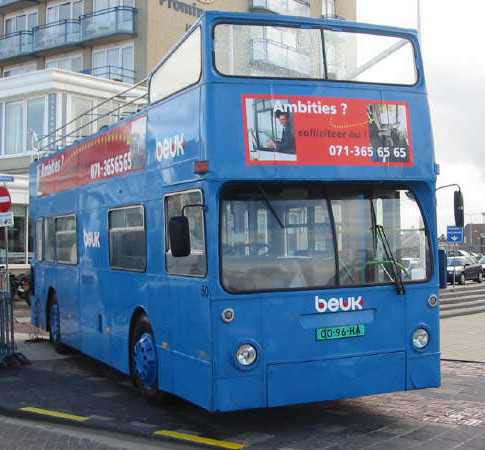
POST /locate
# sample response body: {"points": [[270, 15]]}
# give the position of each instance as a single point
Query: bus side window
{"points": [[127, 238], [39, 240], [180, 70], [195, 264], [49, 239], [66, 240]]}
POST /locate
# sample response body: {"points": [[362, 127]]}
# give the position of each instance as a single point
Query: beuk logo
{"points": [[170, 147], [339, 304]]}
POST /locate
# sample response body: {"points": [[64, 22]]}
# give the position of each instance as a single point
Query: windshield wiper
{"points": [[381, 233], [270, 206]]}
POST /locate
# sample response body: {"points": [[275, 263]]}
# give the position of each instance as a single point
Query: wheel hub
{"points": [[145, 358]]}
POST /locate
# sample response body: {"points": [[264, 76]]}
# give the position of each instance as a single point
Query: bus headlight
{"points": [[246, 355], [420, 338]]}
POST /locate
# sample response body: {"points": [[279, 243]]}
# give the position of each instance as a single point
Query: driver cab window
{"points": [[188, 204], [180, 70]]}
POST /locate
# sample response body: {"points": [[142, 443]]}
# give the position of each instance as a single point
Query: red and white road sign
{"points": [[5, 200]]}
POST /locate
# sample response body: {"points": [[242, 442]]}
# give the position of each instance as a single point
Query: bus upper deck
{"points": [[302, 99], [269, 217]]}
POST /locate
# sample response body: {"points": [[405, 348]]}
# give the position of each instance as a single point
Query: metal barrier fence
{"points": [[7, 336], [8, 354]]}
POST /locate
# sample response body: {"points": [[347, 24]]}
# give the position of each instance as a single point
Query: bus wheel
{"points": [[144, 361], [55, 326]]}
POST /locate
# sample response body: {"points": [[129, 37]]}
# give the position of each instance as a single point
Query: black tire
{"points": [[55, 335], [479, 278], [150, 392], [462, 279]]}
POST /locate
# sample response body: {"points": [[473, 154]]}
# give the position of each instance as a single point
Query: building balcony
{"points": [[54, 35], [275, 54], [7, 6], [104, 25], [109, 22], [15, 45], [114, 73], [288, 7]]}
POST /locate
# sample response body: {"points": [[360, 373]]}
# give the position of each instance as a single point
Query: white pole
{"points": [[419, 26]]}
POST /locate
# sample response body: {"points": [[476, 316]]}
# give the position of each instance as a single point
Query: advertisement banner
{"points": [[120, 151], [326, 131]]}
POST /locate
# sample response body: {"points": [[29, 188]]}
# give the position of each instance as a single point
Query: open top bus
{"points": [[264, 232]]}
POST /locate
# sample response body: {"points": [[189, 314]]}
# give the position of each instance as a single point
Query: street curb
{"points": [[93, 424]]}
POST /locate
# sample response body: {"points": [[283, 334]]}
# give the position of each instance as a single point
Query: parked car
{"points": [[482, 262], [458, 252], [463, 268]]}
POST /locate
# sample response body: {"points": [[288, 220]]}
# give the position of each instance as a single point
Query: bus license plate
{"points": [[347, 331]]}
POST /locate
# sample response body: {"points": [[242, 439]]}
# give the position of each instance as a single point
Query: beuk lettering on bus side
{"points": [[335, 304], [170, 147], [92, 239]]}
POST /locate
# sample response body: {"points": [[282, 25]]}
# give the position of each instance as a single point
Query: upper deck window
{"points": [[180, 70], [297, 53], [266, 51], [369, 58]]}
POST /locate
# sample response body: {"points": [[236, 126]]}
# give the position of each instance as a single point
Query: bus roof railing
{"points": [[63, 134]]}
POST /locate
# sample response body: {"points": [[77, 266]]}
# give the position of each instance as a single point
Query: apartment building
{"points": [[59, 58]]}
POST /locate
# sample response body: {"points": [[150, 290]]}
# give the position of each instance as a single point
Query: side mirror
{"points": [[179, 235], [459, 209]]}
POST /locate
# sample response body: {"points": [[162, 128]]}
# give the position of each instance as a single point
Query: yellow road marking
{"points": [[199, 439], [48, 412]]}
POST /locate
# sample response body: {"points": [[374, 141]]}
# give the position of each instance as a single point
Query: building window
{"points": [[24, 125], [289, 7], [36, 117], [108, 4], [328, 8], [65, 11], [73, 63], [81, 126], [17, 237], [66, 240], [23, 21], [195, 264], [14, 128], [18, 70], [127, 238], [115, 63]]}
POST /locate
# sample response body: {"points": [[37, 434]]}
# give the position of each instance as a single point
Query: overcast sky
{"points": [[452, 40]]}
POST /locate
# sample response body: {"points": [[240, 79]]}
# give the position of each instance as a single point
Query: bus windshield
{"points": [[307, 236], [290, 52]]}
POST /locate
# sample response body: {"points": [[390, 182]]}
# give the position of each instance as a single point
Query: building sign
{"points": [[191, 9], [326, 131], [117, 152]]}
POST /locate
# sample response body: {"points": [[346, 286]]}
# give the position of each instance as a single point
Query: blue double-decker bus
{"points": [[264, 232]]}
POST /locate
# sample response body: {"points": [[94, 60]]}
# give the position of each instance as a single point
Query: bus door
{"points": [[65, 276], [95, 341], [189, 332]]}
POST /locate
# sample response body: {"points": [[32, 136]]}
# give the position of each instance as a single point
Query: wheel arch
{"points": [[138, 312], [50, 295]]}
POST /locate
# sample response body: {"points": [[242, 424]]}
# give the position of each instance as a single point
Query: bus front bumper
{"points": [[330, 379]]}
